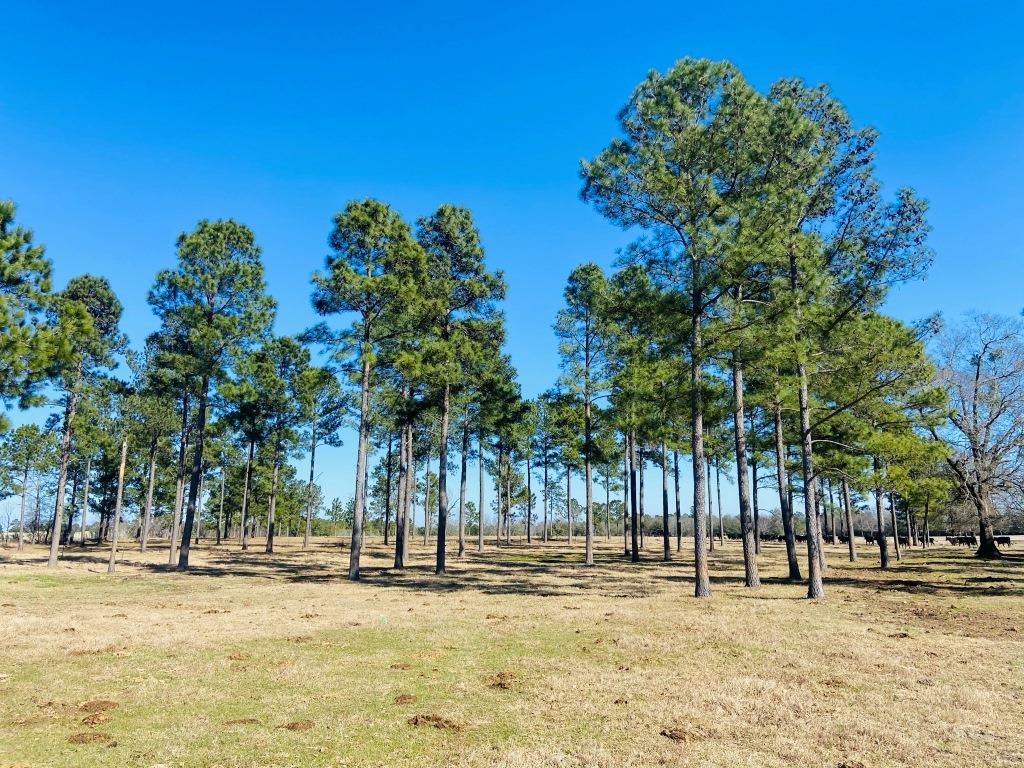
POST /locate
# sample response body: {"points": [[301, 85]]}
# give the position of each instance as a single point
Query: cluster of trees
{"points": [[743, 329]]}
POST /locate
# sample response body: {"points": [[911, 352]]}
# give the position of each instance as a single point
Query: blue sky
{"points": [[122, 124]]}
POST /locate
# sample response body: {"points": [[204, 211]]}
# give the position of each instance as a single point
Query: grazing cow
{"points": [[801, 537], [1003, 541], [904, 541]]}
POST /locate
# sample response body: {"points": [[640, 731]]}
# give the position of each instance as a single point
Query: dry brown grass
{"points": [[519, 657]]}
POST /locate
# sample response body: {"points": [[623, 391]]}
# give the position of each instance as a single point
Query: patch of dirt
{"points": [[405, 698], [242, 721], [239, 657], [401, 665], [90, 737], [299, 725], [217, 610], [98, 705], [435, 721], [310, 615], [96, 718], [502, 680]]}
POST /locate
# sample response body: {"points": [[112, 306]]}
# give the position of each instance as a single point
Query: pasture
{"points": [[518, 657]]}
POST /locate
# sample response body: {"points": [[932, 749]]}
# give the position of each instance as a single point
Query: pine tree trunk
{"points": [[387, 487], [111, 564], [364, 439], [895, 527], [679, 510], [272, 506], [640, 516], [785, 495], [753, 501], [851, 543], [625, 494], [480, 501], [568, 501], [243, 528], [633, 539], [442, 483], [711, 508], [179, 480], [529, 501], [666, 538], [426, 500], [702, 584], [220, 510], [750, 574], [62, 473], [147, 513], [21, 514], [85, 499], [403, 490], [197, 475], [462, 483], [307, 534], [880, 540]]}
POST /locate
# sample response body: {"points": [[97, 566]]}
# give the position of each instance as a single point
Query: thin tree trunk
{"points": [[785, 493], [711, 509], [243, 529], [751, 577], [607, 506], [364, 439], [179, 480], [197, 475], [147, 513], [480, 509], [718, 489], [62, 473], [309, 488], [701, 584], [568, 500], [529, 501], [442, 483], [403, 491], [643, 507], [633, 538], [851, 544], [753, 500], [220, 510], [426, 500], [679, 510], [21, 515], [666, 538], [815, 586], [880, 540], [85, 499], [462, 483], [272, 507], [895, 527], [111, 564], [387, 487]]}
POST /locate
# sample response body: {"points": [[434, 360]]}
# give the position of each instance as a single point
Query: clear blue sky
{"points": [[121, 126]]}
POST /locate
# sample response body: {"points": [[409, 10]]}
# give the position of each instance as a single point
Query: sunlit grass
{"points": [[529, 657]]}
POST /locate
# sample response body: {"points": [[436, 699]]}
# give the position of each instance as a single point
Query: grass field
{"points": [[519, 657]]}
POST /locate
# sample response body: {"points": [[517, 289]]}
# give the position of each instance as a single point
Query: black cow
{"points": [[1003, 541]]}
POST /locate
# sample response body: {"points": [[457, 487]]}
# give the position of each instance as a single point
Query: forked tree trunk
{"points": [[62, 473]]}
